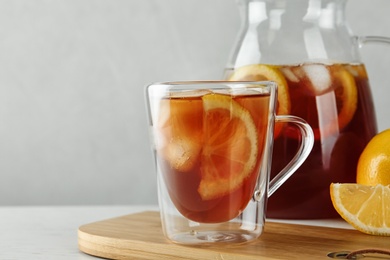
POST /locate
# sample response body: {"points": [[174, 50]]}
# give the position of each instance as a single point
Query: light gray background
{"points": [[72, 76]]}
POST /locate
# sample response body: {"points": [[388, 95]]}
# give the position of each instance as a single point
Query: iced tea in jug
{"points": [[307, 49]]}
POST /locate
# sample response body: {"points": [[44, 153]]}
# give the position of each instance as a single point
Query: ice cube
{"points": [[319, 77]]}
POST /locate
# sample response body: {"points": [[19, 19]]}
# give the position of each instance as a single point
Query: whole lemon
{"points": [[374, 163]]}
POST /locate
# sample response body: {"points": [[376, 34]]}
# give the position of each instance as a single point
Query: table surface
{"points": [[50, 232]]}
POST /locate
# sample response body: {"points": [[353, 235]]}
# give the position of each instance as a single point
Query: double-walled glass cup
{"points": [[212, 142]]}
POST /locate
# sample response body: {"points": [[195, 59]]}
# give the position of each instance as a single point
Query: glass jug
{"points": [[307, 48]]}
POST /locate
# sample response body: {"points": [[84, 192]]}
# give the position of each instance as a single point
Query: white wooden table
{"points": [[50, 232]]}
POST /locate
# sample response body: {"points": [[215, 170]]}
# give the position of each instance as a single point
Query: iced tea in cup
{"points": [[212, 142]]}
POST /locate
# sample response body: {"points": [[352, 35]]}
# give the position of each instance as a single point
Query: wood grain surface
{"points": [[139, 236]]}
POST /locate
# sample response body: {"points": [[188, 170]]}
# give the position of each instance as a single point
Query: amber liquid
{"points": [[325, 96], [182, 185]]}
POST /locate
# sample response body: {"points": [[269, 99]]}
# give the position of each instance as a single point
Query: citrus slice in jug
{"points": [[364, 207], [328, 97], [346, 95], [261, 72], [229, 152]]}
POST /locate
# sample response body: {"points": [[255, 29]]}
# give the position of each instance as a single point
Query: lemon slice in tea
{"points": [[346, 96], [230, 146], [261, 72]]}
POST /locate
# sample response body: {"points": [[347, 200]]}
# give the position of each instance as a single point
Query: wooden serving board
{"points": [[139, 236]]}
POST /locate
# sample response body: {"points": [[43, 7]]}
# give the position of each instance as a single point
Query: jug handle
{"points": [[362, 40]]}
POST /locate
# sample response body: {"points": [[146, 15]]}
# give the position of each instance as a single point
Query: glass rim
{"points": [[214, 82]]}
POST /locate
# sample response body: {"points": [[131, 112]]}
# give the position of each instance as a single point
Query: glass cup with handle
{"points": [[212, 144]]}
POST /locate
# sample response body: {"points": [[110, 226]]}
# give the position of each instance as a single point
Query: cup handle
{"points": [[362, 40], [306, 144]]}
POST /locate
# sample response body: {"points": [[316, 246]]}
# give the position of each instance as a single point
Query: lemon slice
{"points": [[367, 208], [346, 96], [331, 85], [261, 72], [230, 146]]}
